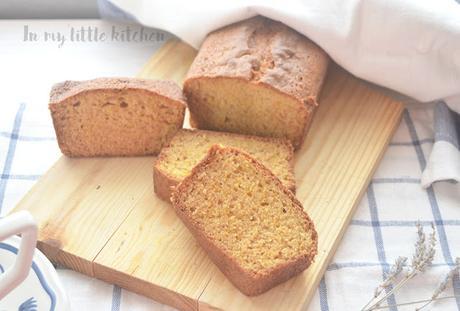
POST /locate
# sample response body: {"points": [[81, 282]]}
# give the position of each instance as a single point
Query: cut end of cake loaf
{"points": [[251, 226], [115, 116], [188, 147], [256, 77]]}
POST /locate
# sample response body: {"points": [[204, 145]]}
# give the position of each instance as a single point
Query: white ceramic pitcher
{"points": [[18, 223]]}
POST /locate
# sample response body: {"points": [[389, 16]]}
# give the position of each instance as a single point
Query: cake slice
{"points": [[251, 226], [115, 116], [188, 147], [256, 77]]}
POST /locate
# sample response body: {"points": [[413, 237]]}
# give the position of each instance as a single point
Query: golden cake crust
{"points": [[264, 52], [64, 90]]}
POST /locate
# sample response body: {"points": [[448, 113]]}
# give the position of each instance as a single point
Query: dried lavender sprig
{"points": [[449, 276], [420, 248], [423, 257], [395, 270], [392, 291], [431, 247], [444, 283], [413, 302]]}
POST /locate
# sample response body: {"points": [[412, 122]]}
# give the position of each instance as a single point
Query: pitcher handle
{"points": [[24, 224]]}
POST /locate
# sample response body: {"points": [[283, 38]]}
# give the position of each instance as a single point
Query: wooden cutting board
{"points": [[100, 216]]}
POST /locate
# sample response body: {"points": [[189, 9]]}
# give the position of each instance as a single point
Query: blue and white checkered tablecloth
{"points": [[382, 228]]}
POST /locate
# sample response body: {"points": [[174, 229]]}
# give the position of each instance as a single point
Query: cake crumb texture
{"points": [[188, 147], [256, 77], [250, 224], [115, 116]]}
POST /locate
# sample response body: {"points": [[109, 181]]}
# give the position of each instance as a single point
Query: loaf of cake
{"points": [[115, 116], [188, 147], [256, 77], [250, 225]]}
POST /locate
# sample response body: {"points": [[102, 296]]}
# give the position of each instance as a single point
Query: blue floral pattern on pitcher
{"points": [[31, 303]]}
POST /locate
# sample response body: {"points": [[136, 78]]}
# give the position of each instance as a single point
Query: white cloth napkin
{"points": [[410, 46]]}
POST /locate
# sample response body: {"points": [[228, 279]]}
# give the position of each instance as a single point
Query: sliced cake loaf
{"points": [[115, 116], [256, 77], [251, 226], [188, 147]]}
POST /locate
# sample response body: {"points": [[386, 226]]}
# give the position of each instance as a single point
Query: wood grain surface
{"points": [[100, 216]]}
